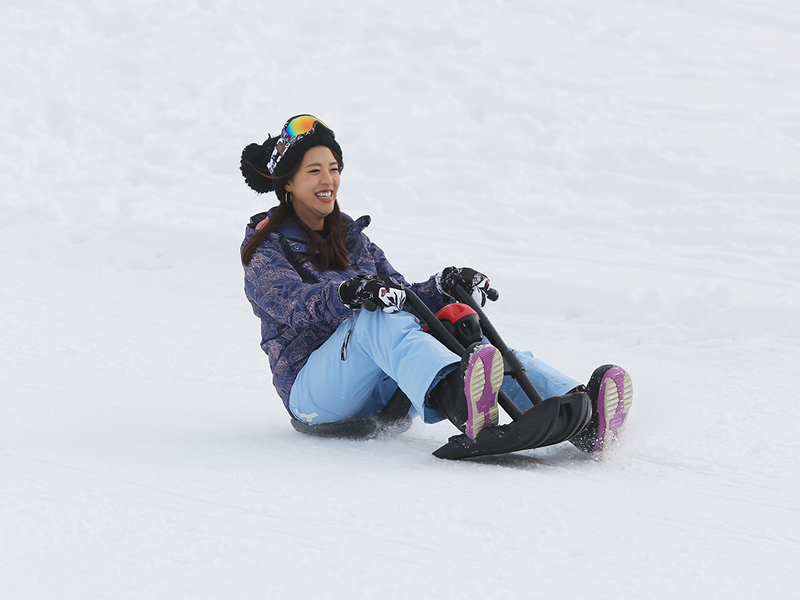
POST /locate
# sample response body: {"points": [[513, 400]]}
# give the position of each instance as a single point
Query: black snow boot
{"points": [[468, 395], [611, 391]]}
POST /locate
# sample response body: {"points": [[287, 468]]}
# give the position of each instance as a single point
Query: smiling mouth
{"points": [[324, 195]]}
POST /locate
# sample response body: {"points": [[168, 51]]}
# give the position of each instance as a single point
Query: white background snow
{"points": [[627, 173]]}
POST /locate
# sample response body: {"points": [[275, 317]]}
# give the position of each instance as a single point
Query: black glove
{"points": [[477, 284], [371, 291]]}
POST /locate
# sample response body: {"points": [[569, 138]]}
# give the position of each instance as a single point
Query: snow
{"points": [[627, 173]]}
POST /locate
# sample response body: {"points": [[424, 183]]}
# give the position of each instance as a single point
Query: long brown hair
{"points": [[329, 245]]}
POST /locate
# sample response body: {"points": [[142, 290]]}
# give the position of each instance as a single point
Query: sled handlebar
{"points": [[434, 324]]}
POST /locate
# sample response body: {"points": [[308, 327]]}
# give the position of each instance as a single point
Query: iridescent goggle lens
{"points": [[302, 124]]}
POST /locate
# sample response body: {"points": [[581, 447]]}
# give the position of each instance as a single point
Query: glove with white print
{"points": [[372, 291], [477, 284]]}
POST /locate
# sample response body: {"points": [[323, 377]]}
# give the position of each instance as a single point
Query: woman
{"points": [[309, 269]]}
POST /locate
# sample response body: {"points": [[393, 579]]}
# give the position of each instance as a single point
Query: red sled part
{"points": [[462, 321], [452, 313]]}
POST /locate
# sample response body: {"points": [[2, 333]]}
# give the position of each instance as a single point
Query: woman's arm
{"points": [[274, 285]]}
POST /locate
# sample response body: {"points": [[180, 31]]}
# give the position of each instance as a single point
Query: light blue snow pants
{"points": [[385, 350]]}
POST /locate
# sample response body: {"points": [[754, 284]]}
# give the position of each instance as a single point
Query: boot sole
{"points": [[614, 403], [482, 383]]}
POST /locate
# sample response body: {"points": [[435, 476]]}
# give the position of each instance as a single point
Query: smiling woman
{"points": [[308, 267]]}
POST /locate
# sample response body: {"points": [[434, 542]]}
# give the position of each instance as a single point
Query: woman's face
{"points": [[314, 186]]}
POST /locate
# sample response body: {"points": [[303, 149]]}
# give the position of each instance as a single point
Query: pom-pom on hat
{"points": [[262, 165]]}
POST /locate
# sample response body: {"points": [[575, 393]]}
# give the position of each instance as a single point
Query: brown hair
{"points": [[329, 245]]}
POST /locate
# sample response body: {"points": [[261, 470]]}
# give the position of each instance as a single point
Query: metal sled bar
{"points": [[513, 364], [434, 324], [448, 339]]}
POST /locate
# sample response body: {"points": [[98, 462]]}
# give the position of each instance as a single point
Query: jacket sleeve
{"points": [[274, 285]]}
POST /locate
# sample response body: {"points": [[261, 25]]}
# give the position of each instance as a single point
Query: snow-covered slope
{"points": [[627, 173]]}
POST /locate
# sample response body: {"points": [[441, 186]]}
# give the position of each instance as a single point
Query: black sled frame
{"points": [[547, 422]]}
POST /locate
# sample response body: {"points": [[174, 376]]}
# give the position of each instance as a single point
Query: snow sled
{"points": [[549, 421], [392, 420]]}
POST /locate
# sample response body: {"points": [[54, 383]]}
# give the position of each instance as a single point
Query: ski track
{"points": [[627, 174]]}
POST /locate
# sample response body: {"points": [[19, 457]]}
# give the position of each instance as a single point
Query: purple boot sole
{"points": [[483, 377], [611, 391]]}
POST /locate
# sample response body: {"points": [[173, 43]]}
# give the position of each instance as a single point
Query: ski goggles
{"points": [[296, 129]]}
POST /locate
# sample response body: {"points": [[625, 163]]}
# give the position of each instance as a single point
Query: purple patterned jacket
{"points": [[298, 305]]}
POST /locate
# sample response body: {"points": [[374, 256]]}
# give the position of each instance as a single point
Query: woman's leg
{"points": [[547, 381], [329, 389]]}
